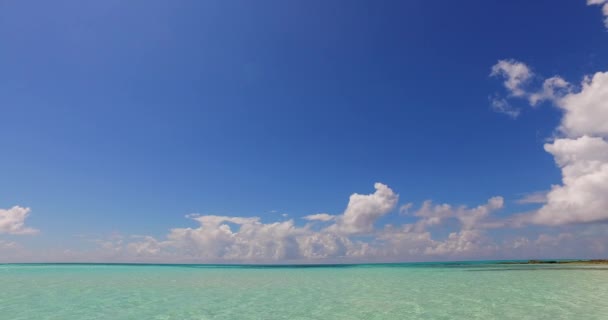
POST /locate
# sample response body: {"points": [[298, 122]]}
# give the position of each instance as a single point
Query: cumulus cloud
{"points": [[146, 246], [389, 244], [363, 210], [580, 150], [322, 245], [586, 112], [470, 218], [223, 238], [236, 238], [416, 239], [582, 156], [12, 221], [405, 242], [350, 236], [220, 238], [583, 196], [463, 242]]}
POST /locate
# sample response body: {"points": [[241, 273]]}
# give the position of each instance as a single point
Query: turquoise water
{"points": [[407, 291]]}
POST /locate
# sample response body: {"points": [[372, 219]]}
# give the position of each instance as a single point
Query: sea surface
{"points": [[387, 291]]}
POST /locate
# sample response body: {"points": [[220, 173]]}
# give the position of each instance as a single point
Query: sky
{"points": [[303, 131]]}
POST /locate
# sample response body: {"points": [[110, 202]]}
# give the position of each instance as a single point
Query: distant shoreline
{"points": [[324, 265], [591, 261]]}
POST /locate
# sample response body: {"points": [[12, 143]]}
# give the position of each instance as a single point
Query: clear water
{"points": [[408, 291]]}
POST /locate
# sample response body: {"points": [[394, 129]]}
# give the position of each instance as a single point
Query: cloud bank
{"points": [[353, 235], [225, 239]]}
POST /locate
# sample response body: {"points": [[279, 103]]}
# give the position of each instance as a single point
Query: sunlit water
{"points": [[409, 291]]}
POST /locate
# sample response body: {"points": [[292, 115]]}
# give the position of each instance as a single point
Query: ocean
{"points": [[383, 291]]}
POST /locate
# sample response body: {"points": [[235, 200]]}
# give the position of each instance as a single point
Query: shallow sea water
{"points": [[402, 291]]}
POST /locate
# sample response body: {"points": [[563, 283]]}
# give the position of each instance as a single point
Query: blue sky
{"points": [[119, 119]]}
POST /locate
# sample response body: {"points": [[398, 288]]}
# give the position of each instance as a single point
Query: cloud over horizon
{"points": [[351, 236], [358, 238]]}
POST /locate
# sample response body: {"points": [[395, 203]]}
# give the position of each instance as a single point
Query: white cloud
{"points": [[553, 89], [583, 196], [470, 240], [515, 73], [222, 238], [249, 240], [403, 242], [322, 245], [245, 239], [363, 210], [581, 151], [390, 244], [12, 221], [319, 217], [147, 246], [470, 218], [586, 112], [465, 242]]}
